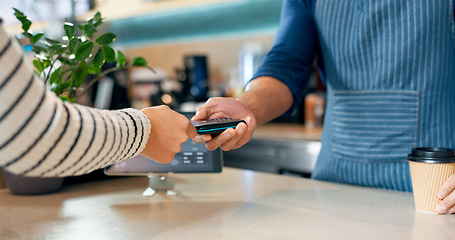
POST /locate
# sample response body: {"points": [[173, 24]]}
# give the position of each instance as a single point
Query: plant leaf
{"points": [[52, 41], [73, 44], [88, 30], [64, 86], [39, 49], [55, 75], [56, 89], [109, 53], [92, 69], [56, 49], [46, 63], [84, 51], [80, 74], [121, 60], [69, 30], [35, 38], [18, 13], [23, 19], [99, 59], [65, 61], [97, 20], [38, 65], [139, 62], [106, 39], [71, 99]]}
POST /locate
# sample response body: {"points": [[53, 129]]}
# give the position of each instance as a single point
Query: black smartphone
{"points": [[215, 126]]}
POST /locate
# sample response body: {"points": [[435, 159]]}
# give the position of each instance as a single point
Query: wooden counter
{"points": [[235, 204]]}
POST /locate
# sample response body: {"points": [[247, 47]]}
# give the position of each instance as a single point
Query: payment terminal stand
{"points": [[162, 183]]}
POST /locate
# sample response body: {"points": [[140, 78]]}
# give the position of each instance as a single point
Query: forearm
{"points": [[267, 98], [42, 136], [290, 61], [63, 139]]}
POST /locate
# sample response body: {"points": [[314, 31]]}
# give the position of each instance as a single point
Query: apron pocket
{"points": [[374, 126]]}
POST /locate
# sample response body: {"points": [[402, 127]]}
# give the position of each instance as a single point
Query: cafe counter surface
{"points": [[234, 204]]}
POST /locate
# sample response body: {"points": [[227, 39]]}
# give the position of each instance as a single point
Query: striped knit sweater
{"points": [[42, 136]]}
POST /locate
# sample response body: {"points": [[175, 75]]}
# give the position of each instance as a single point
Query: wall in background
{"points": [[121, 9], [221, 19], [218, 29], [165, 31], [222, 54]]}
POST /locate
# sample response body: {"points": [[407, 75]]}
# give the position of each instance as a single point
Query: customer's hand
{"points": [[447, 194], [230, 138], [169, 131]]}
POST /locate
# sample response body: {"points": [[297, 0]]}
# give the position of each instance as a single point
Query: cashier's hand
{"points": [[231, 138], [447, 194], [169, 131]]}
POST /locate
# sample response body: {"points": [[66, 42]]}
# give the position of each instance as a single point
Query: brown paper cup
{"points": [[429, 171], [427, 178]]}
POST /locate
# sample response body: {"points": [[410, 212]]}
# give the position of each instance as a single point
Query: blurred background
{"points": [[198, 49]]}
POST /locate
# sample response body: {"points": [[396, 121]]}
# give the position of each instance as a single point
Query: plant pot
{"points": [[21, 185]]}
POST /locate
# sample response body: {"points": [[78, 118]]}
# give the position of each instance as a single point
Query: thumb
{"points": [[201, 114]]}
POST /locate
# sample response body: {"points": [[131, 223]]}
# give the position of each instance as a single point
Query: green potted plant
{"points": [[65, 66]]}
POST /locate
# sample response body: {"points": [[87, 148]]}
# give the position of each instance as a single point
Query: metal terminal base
{"points": [[161, 183]]}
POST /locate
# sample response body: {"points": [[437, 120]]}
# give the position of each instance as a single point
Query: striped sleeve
{"points": [[42, 136]]}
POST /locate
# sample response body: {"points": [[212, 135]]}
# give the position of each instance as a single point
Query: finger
{"points": [[452, 210], [249, 121], [204, 111], [200, 114], [447, 204], [247, 135], [220, 139], [207, 110], [202, 138], [242, 141], [198, 139], [447, 187], [191, 131], [229, 145]]}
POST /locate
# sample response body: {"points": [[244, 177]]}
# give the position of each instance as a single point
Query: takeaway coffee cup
{"points": [[430, 168]]}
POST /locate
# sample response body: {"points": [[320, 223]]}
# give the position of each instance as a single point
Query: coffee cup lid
{"points": [[432, 155]]}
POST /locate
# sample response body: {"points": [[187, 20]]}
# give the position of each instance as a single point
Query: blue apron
{"points": [[389, 68]]}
